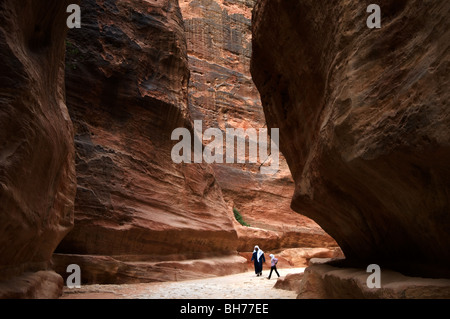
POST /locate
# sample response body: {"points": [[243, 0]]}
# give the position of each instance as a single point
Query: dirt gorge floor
{"points": [[239, 286]]}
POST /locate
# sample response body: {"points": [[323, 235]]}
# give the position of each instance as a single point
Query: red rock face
{"points": [[364, 123], [222, 95], [37, 171], [351, 283], [127, 76], [126, 269]]}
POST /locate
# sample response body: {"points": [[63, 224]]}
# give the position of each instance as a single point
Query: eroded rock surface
{"points": [[364, 123], [145, 269], [41, 284], [37, 169], [328, 282], [223, 95], [289, 282], [126, 91]]}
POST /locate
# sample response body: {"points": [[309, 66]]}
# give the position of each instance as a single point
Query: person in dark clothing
{"points": [[258, 258], [273, 264]]}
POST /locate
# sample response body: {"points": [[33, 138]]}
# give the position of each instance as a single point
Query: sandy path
{"points": [[241, 286]]}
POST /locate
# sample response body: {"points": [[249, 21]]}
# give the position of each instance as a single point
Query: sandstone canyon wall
{"points": [[364, 123], [133, 72], [324, 281], [139, 216], [127, 77], [223, 95], [37, 170]]}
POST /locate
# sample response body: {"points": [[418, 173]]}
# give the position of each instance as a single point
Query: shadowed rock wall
{"points": [[127, 78], [364, 123], [37, 171]]}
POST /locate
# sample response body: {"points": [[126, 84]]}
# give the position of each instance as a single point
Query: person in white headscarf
{"points": [[258, 258]]}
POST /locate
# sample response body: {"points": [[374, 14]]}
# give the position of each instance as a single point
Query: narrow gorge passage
{"points": [[135, 207], [99, 121]]}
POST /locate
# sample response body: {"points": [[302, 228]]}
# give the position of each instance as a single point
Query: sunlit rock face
{"points": [[364, 123], [222, 95]]}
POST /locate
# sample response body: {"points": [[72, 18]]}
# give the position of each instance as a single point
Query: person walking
{"points": [[258, 258], [273, 265]]}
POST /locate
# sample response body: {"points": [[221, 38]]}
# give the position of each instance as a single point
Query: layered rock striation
{"points": [[323, 281], [37, 169], [127, 76], [364, 123], [222, 95]]}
